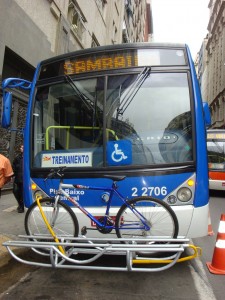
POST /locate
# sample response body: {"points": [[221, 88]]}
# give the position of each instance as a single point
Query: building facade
{"points": [[35, 30], [215, 47], [201, 65]]}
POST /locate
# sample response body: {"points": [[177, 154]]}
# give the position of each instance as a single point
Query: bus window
{"points": [[216, 158], [71, 119], [153, 116], [156, 118]]}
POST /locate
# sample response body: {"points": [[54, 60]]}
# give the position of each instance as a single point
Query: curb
{"points": [[11, 226], [5, 256]]}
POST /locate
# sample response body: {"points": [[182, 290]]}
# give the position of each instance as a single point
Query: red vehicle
{"points": [[216, 158]]}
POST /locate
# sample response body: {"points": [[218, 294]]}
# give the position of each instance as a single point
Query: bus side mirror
{"points": [[207, 115], [6, 109]]}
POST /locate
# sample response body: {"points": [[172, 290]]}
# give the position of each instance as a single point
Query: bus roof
{"points": [[111, 57], [215, 130], [113, 47]]}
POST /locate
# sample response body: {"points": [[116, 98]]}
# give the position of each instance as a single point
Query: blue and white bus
{"points": [[129, 109]]}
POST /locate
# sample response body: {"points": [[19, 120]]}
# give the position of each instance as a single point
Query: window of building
{"points": [[101, 5], [114, 40], [76, 20], [217, 111], [94, 42], [125, 35]]}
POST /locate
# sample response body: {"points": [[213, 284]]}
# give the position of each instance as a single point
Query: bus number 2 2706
{"points": [[149, 191]]}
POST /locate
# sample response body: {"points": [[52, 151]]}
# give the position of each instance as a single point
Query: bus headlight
{"points": [[184, 194]]}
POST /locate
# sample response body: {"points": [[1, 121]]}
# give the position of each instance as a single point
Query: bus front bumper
{"points": [[193, 221]]}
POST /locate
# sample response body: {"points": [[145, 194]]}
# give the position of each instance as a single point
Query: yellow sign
{"points": [[216, 136], [91, 64]]}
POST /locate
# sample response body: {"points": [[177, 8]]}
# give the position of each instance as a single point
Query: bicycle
{"points": [[139, 217]]}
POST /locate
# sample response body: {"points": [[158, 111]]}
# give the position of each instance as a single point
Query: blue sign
{"points": [[119, 153]]}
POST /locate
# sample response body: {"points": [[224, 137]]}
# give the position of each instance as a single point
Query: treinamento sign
{"points": [[82, 159]]}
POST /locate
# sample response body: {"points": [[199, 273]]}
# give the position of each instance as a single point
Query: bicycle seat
{"points": [[115, 177]]}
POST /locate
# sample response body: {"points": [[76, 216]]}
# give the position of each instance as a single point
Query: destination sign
{"points": [[216, 136], [123, 59], [112, 60], [104, 62]]}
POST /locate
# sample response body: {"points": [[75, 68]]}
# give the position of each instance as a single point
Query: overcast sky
{"points": [[181, 21]]}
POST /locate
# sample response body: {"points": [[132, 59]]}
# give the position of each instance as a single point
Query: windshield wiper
{"points": [[91, 105], [132, 91], [81, 95]]}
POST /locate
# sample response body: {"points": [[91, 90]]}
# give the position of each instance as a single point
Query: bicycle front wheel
{"points": [[159, 216], [63, 222]]}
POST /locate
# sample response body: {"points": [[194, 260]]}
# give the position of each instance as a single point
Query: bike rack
{"points": [[86, 253]]}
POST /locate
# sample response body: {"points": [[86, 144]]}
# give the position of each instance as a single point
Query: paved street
{"points": [[11, 223], [189, 280]]}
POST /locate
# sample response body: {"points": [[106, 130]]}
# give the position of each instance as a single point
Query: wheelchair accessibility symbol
{"points": [[119, 152]]}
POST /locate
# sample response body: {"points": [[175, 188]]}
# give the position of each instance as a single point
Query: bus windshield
{"points": [[216, 154], [113, 121]]}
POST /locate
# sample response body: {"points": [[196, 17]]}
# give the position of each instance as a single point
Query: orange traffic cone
{"points": [[218, 262], [210, 230]]}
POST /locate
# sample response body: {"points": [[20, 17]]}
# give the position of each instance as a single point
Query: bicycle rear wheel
{"points": [[65, 224], [159, 215]]}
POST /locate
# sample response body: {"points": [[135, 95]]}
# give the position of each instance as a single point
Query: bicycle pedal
{"points": [[84, 230]]}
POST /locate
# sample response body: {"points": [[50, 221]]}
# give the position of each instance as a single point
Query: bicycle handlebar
{"points": [[60, 173], [54, 173]]}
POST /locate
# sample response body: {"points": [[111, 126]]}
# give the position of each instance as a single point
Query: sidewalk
{"points": [[11, 224]]}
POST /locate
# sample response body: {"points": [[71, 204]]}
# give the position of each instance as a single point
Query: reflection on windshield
{"points": [[140, 119], [130, 92]]}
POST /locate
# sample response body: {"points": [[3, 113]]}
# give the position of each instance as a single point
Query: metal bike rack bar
{"points": [[86, 253]]}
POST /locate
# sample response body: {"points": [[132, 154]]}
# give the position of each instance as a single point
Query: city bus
{"points": [[216, 158], [127, 109]]}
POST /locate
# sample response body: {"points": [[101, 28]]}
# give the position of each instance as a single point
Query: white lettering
{"points": [[149, 191], [68, 191]]}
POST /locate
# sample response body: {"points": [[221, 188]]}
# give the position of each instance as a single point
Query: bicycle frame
{"points": [[112, 190]]}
